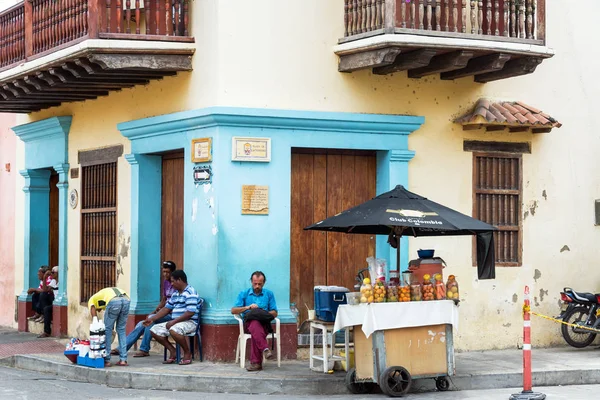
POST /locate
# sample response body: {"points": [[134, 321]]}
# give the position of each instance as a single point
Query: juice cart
{"points": [[395, 343]]}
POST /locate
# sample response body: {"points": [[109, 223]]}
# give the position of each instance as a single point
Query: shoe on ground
{"points": [[43, 335], [254, 367], [114, 352], [39, 319], [268, 355], [35, 316]]}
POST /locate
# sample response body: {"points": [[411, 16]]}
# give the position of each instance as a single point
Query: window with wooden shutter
{"points": [[497, 191], [98, 228]]}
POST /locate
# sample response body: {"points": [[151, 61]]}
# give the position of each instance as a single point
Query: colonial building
{"points": [[212, 132]]}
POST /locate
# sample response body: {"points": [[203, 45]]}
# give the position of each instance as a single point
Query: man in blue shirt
{"points": [[183, 307], [256, 297]]}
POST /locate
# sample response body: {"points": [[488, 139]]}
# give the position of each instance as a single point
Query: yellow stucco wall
{"points": [[276, 54]]}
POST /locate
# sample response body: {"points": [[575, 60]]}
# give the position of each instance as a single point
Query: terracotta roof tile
{"points": [[510, 114]]}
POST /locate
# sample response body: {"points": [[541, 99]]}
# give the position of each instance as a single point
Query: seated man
{"points": [[116, 302], [46, 299], [37, 292], [168, 267], [183, 307], [256, 297]]}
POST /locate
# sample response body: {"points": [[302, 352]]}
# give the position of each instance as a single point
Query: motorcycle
{"points": [[580, 309]]}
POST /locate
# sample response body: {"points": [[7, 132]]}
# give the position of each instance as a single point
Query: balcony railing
{"points": [[521, 20], [37, 27]]}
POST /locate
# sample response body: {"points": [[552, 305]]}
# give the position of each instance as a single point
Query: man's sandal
{"points": [[169, 361], [185, 362], [121, 363]]}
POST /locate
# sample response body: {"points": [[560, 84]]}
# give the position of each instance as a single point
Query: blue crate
{"points": [[327, 301], [91, 362]]}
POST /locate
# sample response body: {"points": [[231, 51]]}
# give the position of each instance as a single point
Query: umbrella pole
{"points": [[398, 255]]}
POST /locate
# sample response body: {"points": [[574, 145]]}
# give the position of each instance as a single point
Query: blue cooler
{"points": [[327, 301]]}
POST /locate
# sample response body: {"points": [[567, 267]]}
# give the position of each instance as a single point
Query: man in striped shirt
{"points": [[183, 307]]}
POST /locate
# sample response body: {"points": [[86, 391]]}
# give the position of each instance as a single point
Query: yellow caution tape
{"points": [[526, 308], [565, 323]]}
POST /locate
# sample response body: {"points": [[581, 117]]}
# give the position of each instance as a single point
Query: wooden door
{"points": [[325, 183], [53, 222], [172, 208]]}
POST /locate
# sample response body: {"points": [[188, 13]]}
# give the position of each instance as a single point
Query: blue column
{"points": [[63, 204], [37, 225], [392, 170], [146, 182]]}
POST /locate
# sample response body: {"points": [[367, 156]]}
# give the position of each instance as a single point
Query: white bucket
{"points": [[311, 315], [83, 349]]}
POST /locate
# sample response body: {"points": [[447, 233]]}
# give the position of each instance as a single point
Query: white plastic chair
{"points": [[240, 350]]}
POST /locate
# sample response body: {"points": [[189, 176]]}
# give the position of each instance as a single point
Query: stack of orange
{"points": [[404, 293], [427, 288]]}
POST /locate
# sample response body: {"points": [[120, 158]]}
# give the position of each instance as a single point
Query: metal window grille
{"points": [[98, 228], [497, 192]]}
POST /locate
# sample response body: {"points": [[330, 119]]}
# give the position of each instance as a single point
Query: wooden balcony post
{"points": [[28, 11], [389, 16], [93, 18], [540, 18]]}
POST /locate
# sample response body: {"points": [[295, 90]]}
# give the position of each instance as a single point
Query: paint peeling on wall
{"points": [[532, 207], [542, 294], [565, 248], [515, 298], [194, 209], [537, 275], [535, 301], [544, 195], [124, 244], [207, 187], [215, 230]]}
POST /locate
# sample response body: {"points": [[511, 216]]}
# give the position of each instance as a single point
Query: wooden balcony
{"points": [[55, 51], [487, 39]]}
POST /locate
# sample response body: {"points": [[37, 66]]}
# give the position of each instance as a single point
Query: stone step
{"points": [[35, 327]]}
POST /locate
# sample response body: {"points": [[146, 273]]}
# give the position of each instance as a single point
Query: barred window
{"points": [[98, 228], [497, 193]]}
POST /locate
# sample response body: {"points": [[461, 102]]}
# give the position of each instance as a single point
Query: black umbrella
{"points": [[400, 212]]}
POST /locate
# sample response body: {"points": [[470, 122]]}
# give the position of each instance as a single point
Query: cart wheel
{"points": [[357, 387], [442, 383], [395, 381]]}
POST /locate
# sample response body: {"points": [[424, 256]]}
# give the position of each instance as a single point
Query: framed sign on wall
{"points": [[251, 149], [201, 150]]}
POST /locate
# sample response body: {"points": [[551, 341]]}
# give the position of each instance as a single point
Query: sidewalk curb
{"points": [[120, 378]]}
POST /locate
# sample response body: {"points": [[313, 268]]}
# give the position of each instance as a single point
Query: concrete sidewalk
{"points": [[474, 370]]}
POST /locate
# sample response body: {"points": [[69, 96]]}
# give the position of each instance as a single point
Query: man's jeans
{"points": [[140, 329], [116, 312]]}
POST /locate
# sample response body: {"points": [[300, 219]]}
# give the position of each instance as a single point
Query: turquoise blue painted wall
{"points": [[46, 144], [223, 247]]}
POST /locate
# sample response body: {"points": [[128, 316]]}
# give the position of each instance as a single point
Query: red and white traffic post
{"points": [[527, 393]]}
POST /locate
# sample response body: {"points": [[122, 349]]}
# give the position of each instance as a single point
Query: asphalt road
{"points": [[23, 385]]}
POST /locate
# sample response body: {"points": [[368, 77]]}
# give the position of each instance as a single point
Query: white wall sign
{"points": [[251, 149]]}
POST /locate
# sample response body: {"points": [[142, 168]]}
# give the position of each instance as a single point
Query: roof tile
{"points": [[509, 114]]}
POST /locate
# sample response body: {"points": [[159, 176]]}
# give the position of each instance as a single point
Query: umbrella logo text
{"points": [[412, 213], [416, 221]]}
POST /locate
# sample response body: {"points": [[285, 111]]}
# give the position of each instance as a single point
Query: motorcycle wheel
{"points": [[576, 339]]}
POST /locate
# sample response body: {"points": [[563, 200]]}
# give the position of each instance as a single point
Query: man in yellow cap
{"points": [[115, 302]]}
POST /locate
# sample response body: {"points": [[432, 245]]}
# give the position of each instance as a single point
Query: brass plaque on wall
{"points": [[255, 199]]}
